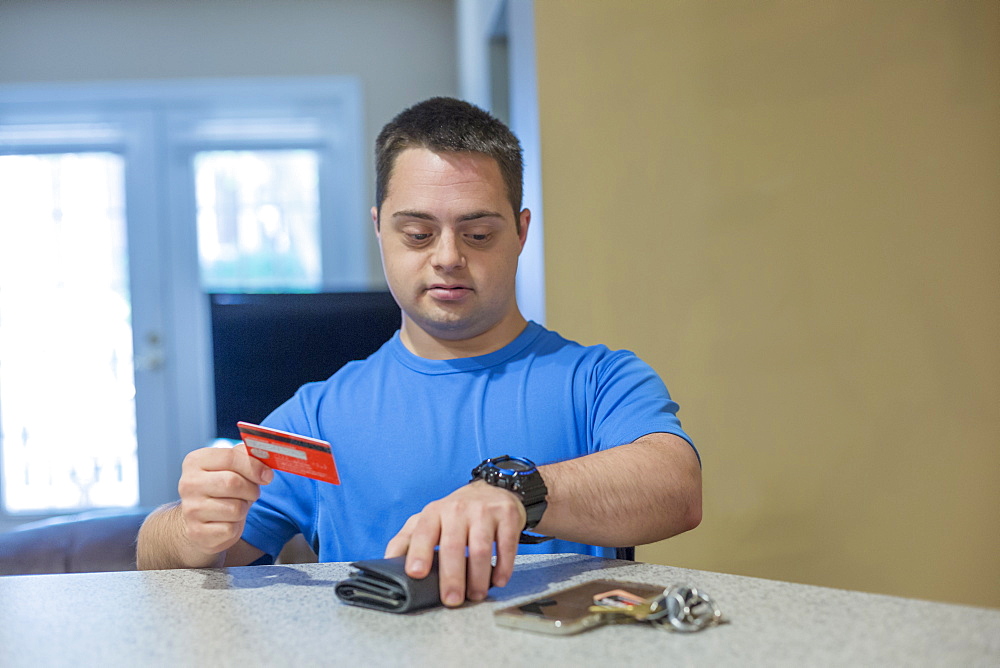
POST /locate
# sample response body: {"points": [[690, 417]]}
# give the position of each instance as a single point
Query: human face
{"points": [[450, 245]]}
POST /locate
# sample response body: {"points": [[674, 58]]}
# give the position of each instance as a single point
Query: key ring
{"points": [[685, 608]]}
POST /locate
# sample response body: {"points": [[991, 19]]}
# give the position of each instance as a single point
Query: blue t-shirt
{"points": [[406, 431]]}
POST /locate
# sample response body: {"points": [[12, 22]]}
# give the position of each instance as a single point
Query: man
{"points": [[466, 378]]}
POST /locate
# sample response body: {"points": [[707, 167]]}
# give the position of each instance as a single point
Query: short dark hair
{"points": [[444, 124]]}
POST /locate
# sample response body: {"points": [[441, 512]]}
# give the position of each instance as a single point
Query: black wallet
{"points": [[382, 584]]}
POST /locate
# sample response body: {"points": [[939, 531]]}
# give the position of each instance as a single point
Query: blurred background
{"points": [[790, 209]]}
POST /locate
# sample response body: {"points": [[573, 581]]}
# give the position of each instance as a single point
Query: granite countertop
{"points": [[289, 615]]}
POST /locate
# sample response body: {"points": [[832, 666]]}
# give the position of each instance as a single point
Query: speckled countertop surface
{"points": [[289, 615]]}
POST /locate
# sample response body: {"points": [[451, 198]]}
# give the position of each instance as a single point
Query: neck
{"points": [[430, 346]]}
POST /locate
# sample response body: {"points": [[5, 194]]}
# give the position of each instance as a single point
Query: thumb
{"points": [[251, 468]]}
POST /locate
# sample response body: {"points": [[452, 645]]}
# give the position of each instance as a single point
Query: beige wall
{"points": [[792, 211]]}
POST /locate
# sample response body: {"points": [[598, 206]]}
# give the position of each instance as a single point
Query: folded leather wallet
{"points": [[382, 584]]}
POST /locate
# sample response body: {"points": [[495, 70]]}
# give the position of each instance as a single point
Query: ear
{"points": [[525, 219], [375, 222]]}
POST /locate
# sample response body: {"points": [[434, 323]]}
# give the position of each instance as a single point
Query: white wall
{"points": [[403, 50]]}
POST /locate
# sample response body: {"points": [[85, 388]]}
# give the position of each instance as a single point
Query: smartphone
{"points": [[568, 611]]}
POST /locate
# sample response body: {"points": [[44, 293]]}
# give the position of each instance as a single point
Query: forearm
{"points": [[633, 494], [163, 544]]}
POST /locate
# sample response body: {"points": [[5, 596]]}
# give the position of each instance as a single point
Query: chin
{"points": [[450, 329]]}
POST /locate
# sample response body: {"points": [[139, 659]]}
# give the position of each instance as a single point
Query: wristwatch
{"points": [[518, 475]]}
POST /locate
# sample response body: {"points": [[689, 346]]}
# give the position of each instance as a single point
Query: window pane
{"points": [[258, 220], [67, 393]]}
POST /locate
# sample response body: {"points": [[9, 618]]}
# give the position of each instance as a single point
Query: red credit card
{"points": [[301, 455]]}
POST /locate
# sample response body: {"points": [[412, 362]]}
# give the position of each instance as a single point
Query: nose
{"points": [[448, 255]]}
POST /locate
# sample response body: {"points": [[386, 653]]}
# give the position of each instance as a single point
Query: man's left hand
{"points": [[472, 518]]}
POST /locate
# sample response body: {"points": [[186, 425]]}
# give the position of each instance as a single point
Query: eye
{"points": [[416, 238], [479, 238]]}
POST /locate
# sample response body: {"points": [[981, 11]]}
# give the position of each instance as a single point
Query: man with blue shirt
{"points": [[597, 457]]}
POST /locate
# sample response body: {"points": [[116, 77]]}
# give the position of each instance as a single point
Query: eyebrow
{"points": [[407, 213], [476, 215], [423, 215]]}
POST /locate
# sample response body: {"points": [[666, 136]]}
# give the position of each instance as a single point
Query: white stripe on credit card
{"points": [[276, 449]]}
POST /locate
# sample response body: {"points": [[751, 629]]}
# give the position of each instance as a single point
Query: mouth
{"points": [[448, 292]]}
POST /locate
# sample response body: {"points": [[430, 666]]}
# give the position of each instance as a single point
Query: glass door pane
{"points": [[67, 391], [258, 220]]}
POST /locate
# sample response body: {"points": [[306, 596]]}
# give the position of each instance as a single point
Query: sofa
{"points": [[93, 541]]}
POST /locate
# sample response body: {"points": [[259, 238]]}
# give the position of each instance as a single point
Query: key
{"points": [[619, 606], [615, 614]]}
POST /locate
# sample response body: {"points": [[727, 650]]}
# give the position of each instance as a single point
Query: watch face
{"points": [[512, 464]]}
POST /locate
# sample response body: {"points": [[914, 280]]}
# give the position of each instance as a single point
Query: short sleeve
{"points": [[629, 402], [276, 516]]}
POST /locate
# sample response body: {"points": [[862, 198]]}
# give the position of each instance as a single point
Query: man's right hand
{"points": [[217, 488], [203, 529]]}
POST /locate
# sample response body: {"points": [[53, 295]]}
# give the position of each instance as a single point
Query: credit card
{"points": [[301, 455]]}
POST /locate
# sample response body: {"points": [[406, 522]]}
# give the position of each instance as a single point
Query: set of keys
{"points": [[679, 609]]}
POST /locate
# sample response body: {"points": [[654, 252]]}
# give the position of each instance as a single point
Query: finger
{"points": [[217, 510], [214, 537], [424, 537], [228, 459], [400, 543], [479, 568], [200, 485], [508, 536], [452, 561], [230, 485], [251, 468]]}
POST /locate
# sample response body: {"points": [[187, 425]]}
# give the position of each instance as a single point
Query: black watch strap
{"points": [[520, 476], [532, 538]]}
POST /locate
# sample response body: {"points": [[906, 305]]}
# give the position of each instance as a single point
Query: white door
{"points": [[73, 350]]}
